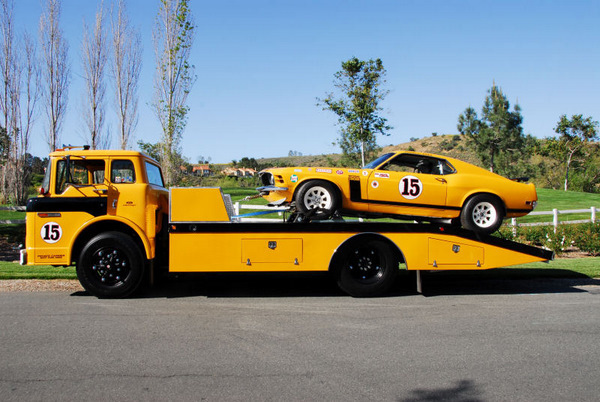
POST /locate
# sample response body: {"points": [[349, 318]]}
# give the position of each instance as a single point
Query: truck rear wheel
{"points": [[366, 269], [111, 265]]}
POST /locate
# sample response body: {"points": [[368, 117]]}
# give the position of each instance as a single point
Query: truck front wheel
{"points": [[366, 269], [110, 265]]}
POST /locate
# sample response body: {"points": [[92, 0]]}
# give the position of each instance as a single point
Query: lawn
{"points": [[12, 270], [549, 199]]}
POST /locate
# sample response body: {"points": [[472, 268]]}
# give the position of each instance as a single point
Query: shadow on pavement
{"points": [[434, 283], [505, 281]]}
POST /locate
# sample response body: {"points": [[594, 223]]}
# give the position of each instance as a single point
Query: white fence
{"points": [[555, 213], [264, 208]]}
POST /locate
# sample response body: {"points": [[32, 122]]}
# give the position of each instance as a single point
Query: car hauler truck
{"points": [[108, 213]]}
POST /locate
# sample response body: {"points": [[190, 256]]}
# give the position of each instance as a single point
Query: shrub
{"points": [[588, 238]]}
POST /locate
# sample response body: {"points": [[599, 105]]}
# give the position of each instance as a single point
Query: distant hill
{"points": [[448, 144]]}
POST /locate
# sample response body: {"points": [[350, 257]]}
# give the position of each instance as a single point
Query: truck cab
{"points": [[86, 193]]}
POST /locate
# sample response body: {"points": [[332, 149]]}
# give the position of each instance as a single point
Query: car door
{"points": [[409, 184]]}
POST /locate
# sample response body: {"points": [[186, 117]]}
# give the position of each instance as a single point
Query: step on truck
{"points": [[109, 213]]}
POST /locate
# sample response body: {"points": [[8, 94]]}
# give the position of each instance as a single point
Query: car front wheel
{"points": [[483, 214], [319, 195]]}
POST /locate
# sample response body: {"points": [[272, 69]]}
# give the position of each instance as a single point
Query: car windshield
{"points": [[378, 161]]}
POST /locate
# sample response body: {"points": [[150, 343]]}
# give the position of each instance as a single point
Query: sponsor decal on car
{"points": [[382, 175], [375, 184], [365, 173], [353, 171], [297, 170], [294, 178], [339, 172], [323, 170]]}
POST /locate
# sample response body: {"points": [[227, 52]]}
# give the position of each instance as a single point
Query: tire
{"points": [[318, 194], [482, 213], [366, 268], [111, 265]]}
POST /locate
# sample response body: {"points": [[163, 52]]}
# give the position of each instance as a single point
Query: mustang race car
{"points": [[405, 185]]}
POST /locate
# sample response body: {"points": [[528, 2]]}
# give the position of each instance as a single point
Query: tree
{"points": [[94, 57], [497, 137], [173, 37], [572, 145], [155, 151], [56, 70], [126, 68], [18, 97], [357, 107]]}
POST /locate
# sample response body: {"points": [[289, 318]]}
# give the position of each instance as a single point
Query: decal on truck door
{"points": [[51, 232]]}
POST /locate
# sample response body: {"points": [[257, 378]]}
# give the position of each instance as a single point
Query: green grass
{"points": [[549, 199], [12, 270], [6, 215]]}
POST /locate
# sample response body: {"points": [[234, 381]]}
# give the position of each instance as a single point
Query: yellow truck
{"points": [[108, 212]]}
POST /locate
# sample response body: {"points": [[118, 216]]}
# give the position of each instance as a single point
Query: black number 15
{"points": [[51, 232], [410, 187]]}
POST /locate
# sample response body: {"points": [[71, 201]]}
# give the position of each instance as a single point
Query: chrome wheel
{"points": [[318, 197], [484, 215]]}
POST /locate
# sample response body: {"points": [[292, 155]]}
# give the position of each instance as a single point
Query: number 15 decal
{"points": [[410, 187], [51, 232]]}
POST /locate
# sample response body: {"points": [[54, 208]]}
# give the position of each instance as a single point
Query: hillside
{"points": [[450, 145]]}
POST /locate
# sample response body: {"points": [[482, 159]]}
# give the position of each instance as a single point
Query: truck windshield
{"points": [[81, 172]]}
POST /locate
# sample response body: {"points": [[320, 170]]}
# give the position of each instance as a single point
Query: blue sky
{"points": [[261, 65]]}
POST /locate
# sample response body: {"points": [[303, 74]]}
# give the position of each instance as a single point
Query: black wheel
{"points": [[319, 195], [482, 213], [366, 268], [111, 265]]}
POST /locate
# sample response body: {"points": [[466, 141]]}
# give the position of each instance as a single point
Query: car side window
{"points": [[122, 171], [412, 164], [409, 163]]}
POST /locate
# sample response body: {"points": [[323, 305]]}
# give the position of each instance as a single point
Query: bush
{"points": [[585, 237], [588, 238]]}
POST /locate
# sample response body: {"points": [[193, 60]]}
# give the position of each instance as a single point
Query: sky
{"points": [[262, 64]]}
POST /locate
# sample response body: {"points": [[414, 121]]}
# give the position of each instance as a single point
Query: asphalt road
{"points": [[297, 338]]}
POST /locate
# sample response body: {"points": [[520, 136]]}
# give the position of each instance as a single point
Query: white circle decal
{"points": [[375, 184], [51, 232], [410, 187]]}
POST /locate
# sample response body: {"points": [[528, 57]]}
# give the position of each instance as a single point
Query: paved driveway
{"points": [[297, 338]]}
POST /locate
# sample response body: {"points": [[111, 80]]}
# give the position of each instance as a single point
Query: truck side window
{"points": [[122, 171], [154, 174]]}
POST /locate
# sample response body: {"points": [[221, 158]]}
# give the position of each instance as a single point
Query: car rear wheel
{"points": [[482, 213], [319, 195]]}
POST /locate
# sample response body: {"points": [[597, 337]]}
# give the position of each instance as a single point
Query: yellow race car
{"points": [[404, 185]]}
